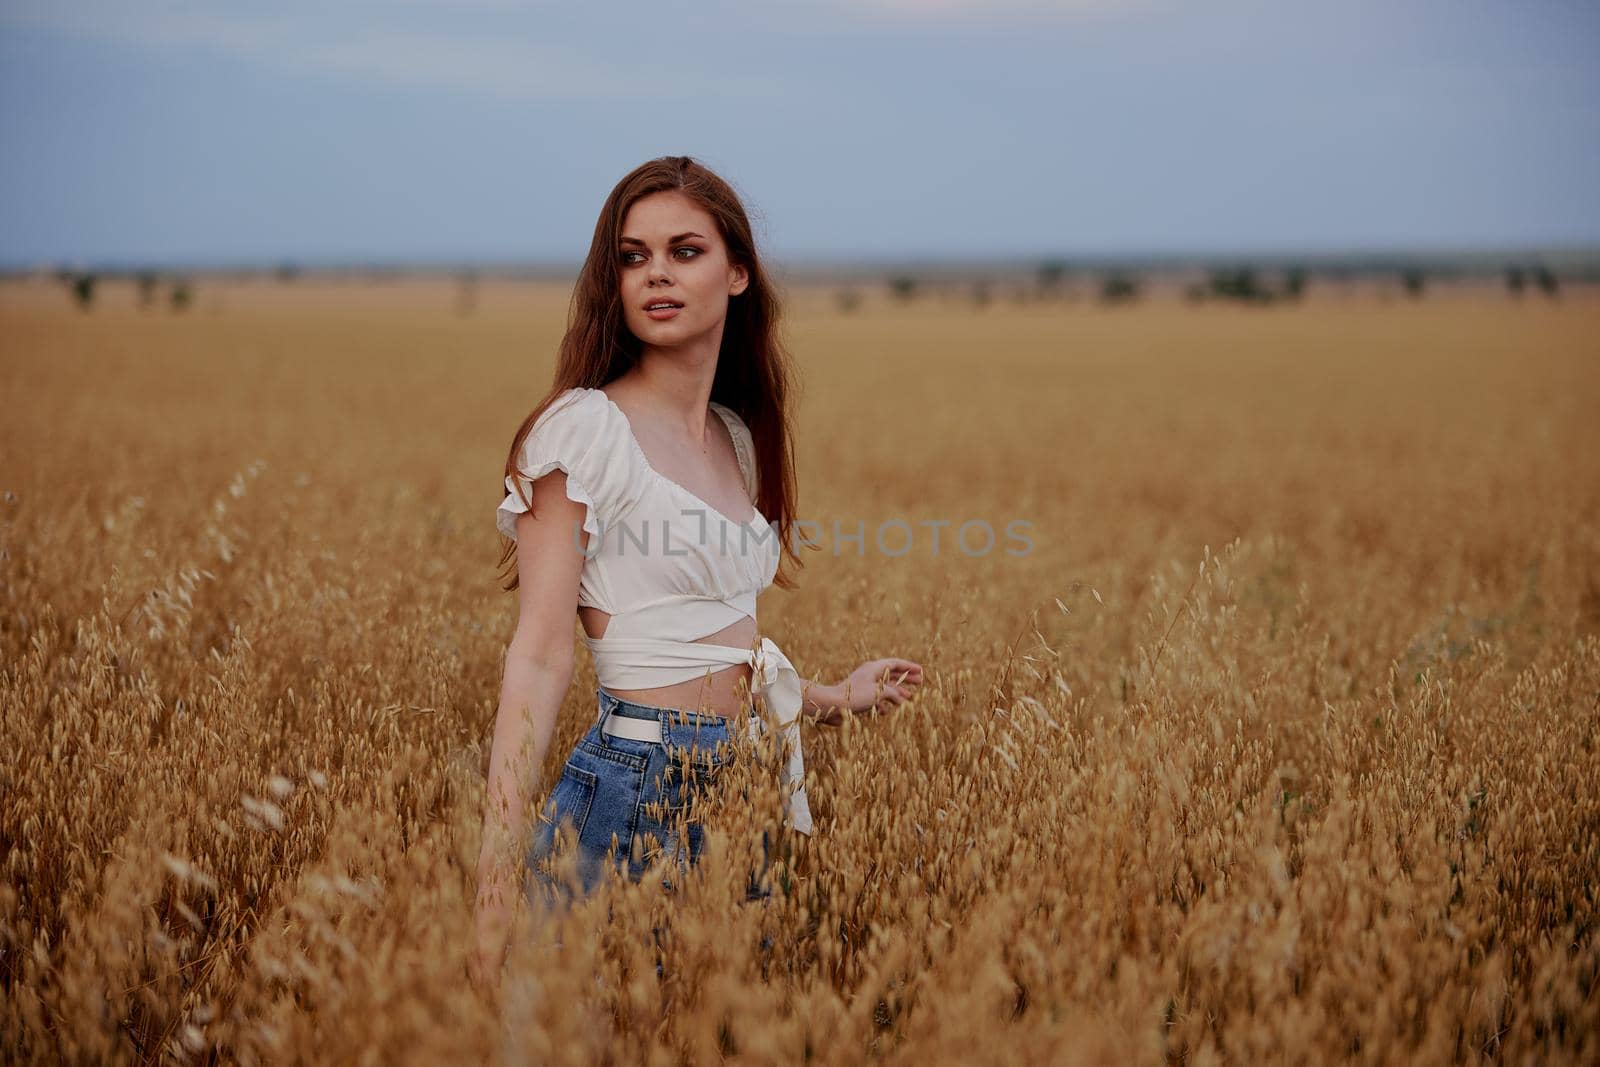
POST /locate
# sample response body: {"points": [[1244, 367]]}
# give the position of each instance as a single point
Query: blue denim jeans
{"points": [[622, 799]]}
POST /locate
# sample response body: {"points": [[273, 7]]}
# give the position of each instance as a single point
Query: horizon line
{"points": [[1575, 253]]}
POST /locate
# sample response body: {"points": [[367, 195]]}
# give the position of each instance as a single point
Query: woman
{"points": [[653, 491]]}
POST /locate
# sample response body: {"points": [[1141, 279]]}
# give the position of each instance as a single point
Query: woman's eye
{"points": [[627, 256]]}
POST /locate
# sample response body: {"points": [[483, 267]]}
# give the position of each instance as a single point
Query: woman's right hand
{"points": [[491, 920]]}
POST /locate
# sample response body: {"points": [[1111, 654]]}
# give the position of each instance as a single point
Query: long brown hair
{"points": [[753, 373]]}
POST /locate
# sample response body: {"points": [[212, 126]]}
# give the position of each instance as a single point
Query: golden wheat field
{"points": [[1275, 743]]}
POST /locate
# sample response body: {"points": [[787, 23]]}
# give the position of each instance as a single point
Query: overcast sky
{"points": [[456, 130]]}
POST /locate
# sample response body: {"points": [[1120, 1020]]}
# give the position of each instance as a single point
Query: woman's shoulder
{"points": [[579, 416], [736, 424], [575, 404], [743, 444], [579, 425], [726, 412]]}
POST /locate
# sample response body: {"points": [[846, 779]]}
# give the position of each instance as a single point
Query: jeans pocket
{"points": [[567, 808]]}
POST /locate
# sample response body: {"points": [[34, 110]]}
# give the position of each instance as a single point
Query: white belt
{"points": [[635, 729]]}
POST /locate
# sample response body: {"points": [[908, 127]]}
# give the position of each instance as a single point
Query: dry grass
{"points": [[1303, 783]]}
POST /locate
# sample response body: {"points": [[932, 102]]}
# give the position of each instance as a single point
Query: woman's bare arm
{"points": [[538, 670]]}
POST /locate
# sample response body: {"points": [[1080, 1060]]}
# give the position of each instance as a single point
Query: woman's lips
{"points": [[662, 314]]}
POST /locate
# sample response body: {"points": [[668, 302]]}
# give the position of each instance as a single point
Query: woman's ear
{"points": [[739, 280]]}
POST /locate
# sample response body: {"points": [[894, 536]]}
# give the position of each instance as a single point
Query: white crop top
{"points": [[665, 565]]}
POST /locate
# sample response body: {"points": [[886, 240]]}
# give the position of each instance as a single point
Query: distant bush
{"points": [[1051, 274], [82, 286], [1546, 281], [903, 286], [181, 295], [1413, 282], [1119, 288], [1541, 277], [1240, 283], [1294, 283], [147, 281], [848, 300]]}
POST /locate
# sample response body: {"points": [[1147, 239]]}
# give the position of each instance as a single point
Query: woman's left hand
{"points": [[876, 686]]}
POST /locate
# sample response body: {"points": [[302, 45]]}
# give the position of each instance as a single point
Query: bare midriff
{"points": [[724, 691]]}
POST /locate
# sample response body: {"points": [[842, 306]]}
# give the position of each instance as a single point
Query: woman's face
{"points": [[670, 251]]}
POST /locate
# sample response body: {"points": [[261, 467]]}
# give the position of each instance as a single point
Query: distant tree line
{"points": [[1237, 283], [1518, 279], [1247, 286], [82, 285]]}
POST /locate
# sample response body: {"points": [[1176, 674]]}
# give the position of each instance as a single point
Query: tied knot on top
{"points": [[641, 662], [782, 692]]}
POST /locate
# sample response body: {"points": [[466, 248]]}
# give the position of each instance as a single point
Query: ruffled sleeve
{"points": [[569, 436]]}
